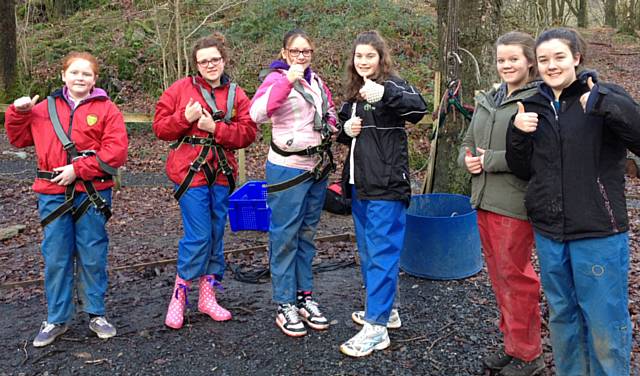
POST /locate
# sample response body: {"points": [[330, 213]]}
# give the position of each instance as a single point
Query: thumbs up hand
{"points": [[193, 111], [206, 122], [474, 165], [24, 104], [371, 91], [584, 98], [525, 121], [480, 153], [295, 73]]}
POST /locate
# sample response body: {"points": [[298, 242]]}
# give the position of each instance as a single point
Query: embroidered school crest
{"points": [[92, 119]]}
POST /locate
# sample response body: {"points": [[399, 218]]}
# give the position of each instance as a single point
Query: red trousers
{"points": [[507, 244]]}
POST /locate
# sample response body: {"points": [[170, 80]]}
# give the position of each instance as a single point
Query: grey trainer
{"points": [[100, 326], [48, 333]]}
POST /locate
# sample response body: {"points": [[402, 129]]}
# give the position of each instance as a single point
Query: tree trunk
{"points": [[8, 43], [610, 18], [541, 12], [478, 26], [583, 16]]}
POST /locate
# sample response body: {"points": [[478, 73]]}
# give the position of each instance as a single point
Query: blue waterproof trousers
{"points": [[295, 213], [74, 249], [380, 227], [204, 212], [586, 284]]}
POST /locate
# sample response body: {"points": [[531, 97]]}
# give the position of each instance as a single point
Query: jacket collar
{"points": [[577, 87], [96, 94], [225, 80]]}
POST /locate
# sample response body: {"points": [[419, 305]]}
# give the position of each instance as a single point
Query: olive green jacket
{"points": [[495, 189]]}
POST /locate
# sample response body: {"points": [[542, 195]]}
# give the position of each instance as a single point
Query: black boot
{"points": [[519, 367], [497, 360]]}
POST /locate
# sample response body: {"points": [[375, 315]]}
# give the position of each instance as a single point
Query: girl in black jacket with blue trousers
{"points": [[569, 140], [376, 176]]}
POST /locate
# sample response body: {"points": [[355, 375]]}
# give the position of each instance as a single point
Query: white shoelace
{"points": [[312, 307], [291, 314], [101, 321], [46, 327]]}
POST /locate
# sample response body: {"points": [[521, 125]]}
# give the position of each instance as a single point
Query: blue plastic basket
{"points": [[248, 209]]}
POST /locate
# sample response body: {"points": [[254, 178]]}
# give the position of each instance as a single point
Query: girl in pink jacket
{"points": [[299, 106]]}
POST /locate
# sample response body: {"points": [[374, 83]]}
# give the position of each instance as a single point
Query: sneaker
{"points": [[289, 321], [310, 313], [48, 333], [394, 319], [497, 360], [369, 338], [100, 326], [519, 367]]}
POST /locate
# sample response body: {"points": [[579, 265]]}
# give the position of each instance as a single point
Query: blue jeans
{"points": [[74, 249], [380, 227], [204, 212], [295, 213], [586, 284]]}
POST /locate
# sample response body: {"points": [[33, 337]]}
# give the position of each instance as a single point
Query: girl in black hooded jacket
{"points": [[569, 140]]}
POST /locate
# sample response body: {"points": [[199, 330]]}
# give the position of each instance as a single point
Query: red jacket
{"points": [[96, 124], [169, 124]]}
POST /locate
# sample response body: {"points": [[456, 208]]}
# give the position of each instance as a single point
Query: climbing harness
{"points": [[208, 144], [326, 165], [93, 197]]}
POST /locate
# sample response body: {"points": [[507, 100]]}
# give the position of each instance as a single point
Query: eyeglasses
{"points": [[296, 52], [213, 61]]}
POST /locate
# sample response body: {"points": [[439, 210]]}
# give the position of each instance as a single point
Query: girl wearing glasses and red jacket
{"points": [[207, 117]]}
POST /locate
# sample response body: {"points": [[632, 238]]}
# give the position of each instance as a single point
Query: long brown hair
{"points": [[216, 40], [385, 67], [524, 41]]}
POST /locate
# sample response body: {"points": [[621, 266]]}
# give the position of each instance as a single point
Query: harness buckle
{"points": [[197, 164], [84, 154], [68, 146]]}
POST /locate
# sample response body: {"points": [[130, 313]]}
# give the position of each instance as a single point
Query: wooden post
{"points": [[427, 185], [242, 170]]}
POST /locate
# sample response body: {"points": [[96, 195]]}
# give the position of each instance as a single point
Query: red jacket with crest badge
{"points": [[96, 124]]}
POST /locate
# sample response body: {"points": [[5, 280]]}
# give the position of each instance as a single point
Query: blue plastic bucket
{"points": [[442, 239]]}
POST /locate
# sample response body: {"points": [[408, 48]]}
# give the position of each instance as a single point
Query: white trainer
{"points": [[369, 338]]}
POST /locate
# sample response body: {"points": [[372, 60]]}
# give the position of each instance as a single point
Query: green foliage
{"points": [[332, 25], [125, 41]]}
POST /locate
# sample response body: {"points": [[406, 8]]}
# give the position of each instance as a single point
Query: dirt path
{"points": [[448, 327]]}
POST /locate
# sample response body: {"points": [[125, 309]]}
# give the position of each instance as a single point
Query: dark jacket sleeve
{"points": [[519, 150], [620, 111], [405, 100], [343, 115]]}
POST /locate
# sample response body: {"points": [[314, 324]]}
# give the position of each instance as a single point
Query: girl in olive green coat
{"points": [[507, 237]]}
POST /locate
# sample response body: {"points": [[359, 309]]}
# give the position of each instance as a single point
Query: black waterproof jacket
{"points": [[381, 157], [575, 160]]}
